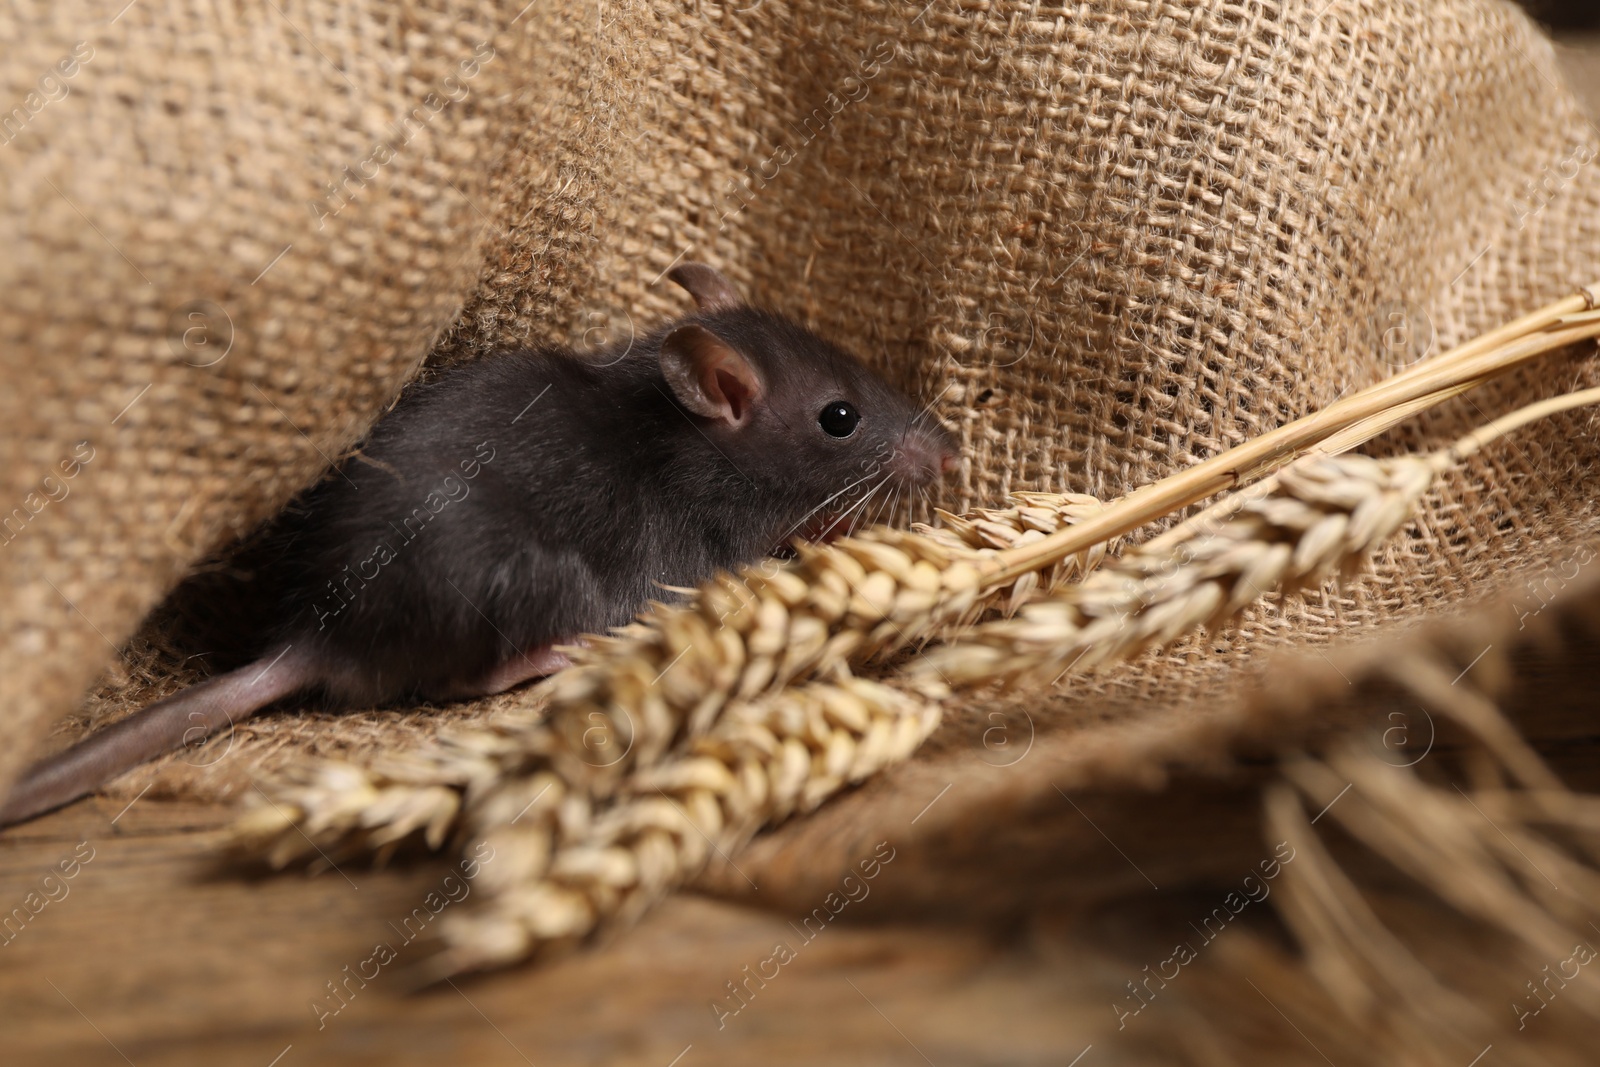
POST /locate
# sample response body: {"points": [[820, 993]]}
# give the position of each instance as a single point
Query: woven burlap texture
{"points": [[184, 296], [1104, 239]]}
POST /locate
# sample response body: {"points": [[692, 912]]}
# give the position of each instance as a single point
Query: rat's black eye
{"points": [[838, 419]]}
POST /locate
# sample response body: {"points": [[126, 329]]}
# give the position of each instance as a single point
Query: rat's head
{"points": [[829, 440]]}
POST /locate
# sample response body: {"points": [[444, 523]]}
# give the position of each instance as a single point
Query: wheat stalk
{"points": [[768, 758], [741, 650], [1508, 851]]}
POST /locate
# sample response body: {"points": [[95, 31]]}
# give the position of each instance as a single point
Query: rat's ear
{"points": [[709, 376], [711, 291]]}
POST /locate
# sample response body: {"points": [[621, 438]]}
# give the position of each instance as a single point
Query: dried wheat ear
{"points": [[677, 671], [687, 731]]}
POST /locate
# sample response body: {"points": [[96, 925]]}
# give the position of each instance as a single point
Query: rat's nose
{"points": [[922, 458]]}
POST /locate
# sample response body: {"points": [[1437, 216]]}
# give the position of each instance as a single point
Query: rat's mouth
{"points": [[824, 528], [828, 527]]}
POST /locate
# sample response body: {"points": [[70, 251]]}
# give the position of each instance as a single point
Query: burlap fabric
{"points": [[1106, 239]]}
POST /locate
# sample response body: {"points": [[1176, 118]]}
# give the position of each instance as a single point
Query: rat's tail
{"points": [[182, 719]]}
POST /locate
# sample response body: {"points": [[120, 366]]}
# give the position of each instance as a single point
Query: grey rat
{"points": [[516, 502]]}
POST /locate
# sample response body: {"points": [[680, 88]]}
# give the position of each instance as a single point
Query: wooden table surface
{"points": [[151, 956]]}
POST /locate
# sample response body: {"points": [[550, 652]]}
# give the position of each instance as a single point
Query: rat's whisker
{"points": [[893, 504], [926, 410], [878, 509], [876, 490], [808, 515], [929, 405], [844, 515]]}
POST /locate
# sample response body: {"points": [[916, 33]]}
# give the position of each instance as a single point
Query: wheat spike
{"points": [[1032, 518], [665, 679], [763, 761], [1318, 515], [1323, 513]]}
